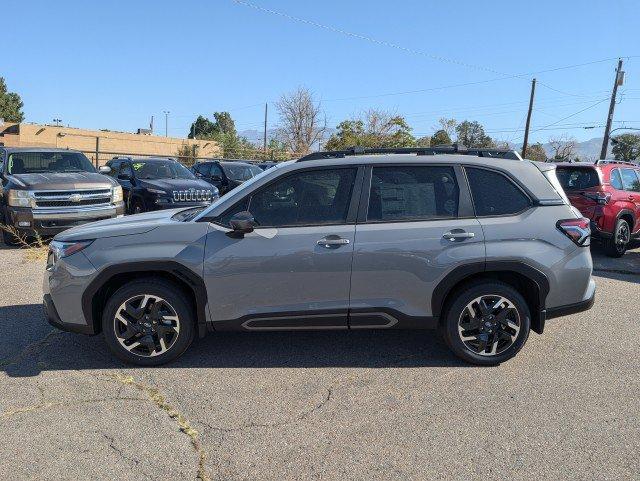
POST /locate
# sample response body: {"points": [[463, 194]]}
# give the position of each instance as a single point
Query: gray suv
{"points": [[483, 249]]}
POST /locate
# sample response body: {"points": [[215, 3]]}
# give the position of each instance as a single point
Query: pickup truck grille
{"points": [[192, 195], [72, 198]]}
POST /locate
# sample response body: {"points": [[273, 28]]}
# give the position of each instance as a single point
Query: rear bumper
{"points": [[597, 233], [581, 306], [53, 318]]}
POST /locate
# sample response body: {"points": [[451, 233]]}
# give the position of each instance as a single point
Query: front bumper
{"points": [[178, 205], [53, 318], [48, 222]]}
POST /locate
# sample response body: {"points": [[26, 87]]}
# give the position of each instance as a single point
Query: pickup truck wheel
{"points": [[148, 322], [486, 323], [617, 245]]}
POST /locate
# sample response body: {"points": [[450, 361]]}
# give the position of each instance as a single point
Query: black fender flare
{"points": [[463, 272], [173, 268]]}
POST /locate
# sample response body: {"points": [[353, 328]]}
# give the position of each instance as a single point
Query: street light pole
{"points": [[166, 122]]}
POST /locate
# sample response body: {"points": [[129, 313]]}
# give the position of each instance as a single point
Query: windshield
{"points": [[48, 162], [241, 172], [577, 178], [161, 169]]}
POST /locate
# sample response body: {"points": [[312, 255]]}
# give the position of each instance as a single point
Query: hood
{"points": [[131, 224], [169, 185], [63, 180]]}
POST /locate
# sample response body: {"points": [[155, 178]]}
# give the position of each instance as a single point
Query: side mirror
{"points": [[104, 169], [242, 223]]}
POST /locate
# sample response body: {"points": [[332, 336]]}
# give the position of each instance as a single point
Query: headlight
{"points": [[58, 250], [19, 198], [156, 191], [116, 194]]}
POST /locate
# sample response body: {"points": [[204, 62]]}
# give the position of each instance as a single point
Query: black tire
{"points": [[456, 314], [172, 297], [619, 242], [137, 207]]}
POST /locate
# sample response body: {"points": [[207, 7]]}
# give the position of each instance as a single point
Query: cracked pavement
{"points": [[374, 405]]}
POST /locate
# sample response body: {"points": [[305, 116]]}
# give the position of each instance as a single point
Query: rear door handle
{"points": [[457, 235], [332, 241]]}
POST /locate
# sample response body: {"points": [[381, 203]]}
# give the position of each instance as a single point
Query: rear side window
{"points": [[630, 180], [494, 194], [412, 193], [616, 180], [577, 178]]}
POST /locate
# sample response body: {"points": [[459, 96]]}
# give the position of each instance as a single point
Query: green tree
{"points": [[187, 154], [223, 131], [423, 141], [441, 137], [626, 147], [277, 151], [375, 128], [471, 134], [536, 152], [10, 104], [202, 128]]}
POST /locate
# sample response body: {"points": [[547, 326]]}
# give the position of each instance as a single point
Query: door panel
{"points": [[279, 278], [397, 266]]}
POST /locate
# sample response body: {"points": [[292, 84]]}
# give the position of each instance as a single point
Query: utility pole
{"points": [[266, 107], [57, 121], [166, 122], [618, 81], [526, 129]]}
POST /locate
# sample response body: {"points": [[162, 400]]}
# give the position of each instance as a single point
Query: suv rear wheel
{"points": [[148, 322], [617, 245], [487, 323]]}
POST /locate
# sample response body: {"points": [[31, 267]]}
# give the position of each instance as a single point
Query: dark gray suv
{"points": [[483, 249]]}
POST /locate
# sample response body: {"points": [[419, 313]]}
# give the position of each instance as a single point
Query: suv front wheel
{"points": [[487, 323], [148, 322]]}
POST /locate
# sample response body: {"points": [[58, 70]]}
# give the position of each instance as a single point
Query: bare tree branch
{"points": [[302, 122]]}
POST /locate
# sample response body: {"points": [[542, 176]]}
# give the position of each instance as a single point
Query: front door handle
{"points": [[456, 234], [332, 241]]}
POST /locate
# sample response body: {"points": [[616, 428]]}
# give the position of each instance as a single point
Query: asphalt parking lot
{"points": [[323, 405]]}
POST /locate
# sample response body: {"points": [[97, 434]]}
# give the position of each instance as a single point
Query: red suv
{"points": [[607, 193]]}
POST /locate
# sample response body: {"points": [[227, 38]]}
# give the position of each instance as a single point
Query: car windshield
{"points": [[48, 162], [160, 169], [577, 178], [241, 172]]}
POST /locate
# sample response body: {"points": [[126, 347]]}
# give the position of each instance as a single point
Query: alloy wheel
{"points": [[489, 325], [146, 325], [623, 236]]}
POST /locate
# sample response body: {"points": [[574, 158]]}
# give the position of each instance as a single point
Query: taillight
{"points": [[601, 198], [578, 230]]}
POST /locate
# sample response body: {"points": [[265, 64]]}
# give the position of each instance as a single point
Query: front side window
{"points": [[412, 193], [202, 169], [630, 180], [48, 162], [216, 171], [160, 169], [313, 197], [616, 179], [494, 194]]}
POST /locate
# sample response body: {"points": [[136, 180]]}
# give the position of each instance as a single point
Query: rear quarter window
{"points": [[577, 178], [494, 194]]}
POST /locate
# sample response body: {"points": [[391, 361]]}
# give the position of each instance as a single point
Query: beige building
{"points": [[100, 144]]}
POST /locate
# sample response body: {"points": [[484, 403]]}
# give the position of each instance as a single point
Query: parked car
{"points": [[45, 191], [158, 183], [608, 194], [266, 165], [225, 175], [482, 249]]}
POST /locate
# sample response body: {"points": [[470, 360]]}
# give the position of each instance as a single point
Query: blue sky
{"points": [[114, 64]]}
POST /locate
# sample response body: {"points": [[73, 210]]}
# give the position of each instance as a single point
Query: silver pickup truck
{"points": [[45, 191]]}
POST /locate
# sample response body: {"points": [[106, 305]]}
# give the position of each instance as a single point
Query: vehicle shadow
{"points": [[625, 268], [29, 346]]}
